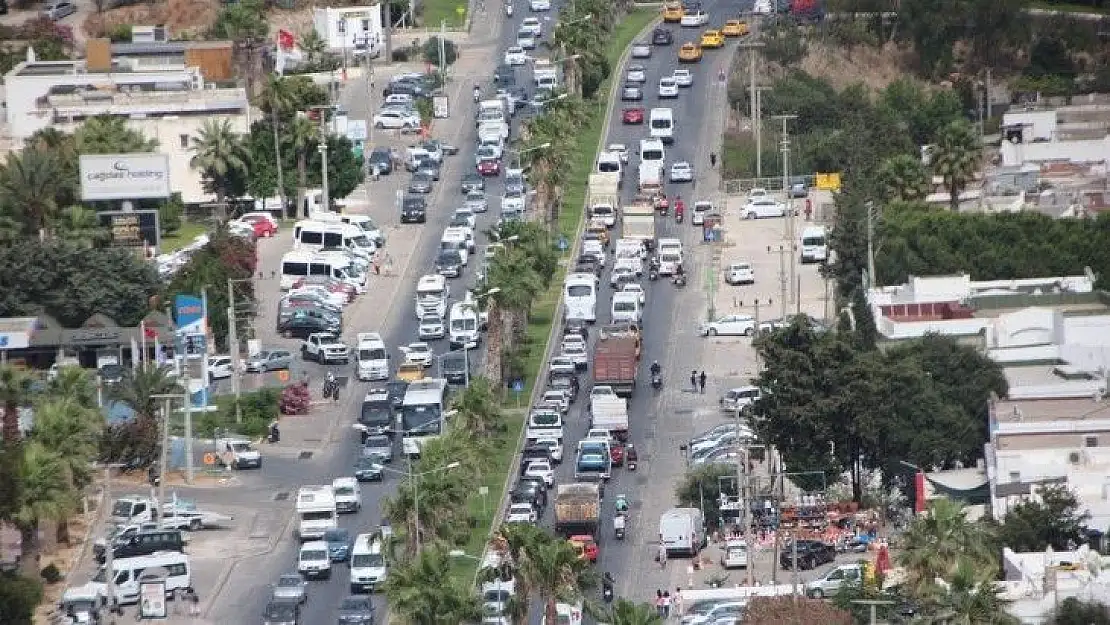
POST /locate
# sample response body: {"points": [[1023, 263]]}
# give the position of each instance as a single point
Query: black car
{"points": [[396, 390], [380, 161], [533, 452], [449, 263], [282, 612], [587, 264], [300, 326], [504, 76], [368, 470], [356, 610], [661, 37], [459, 221], [473, 182], [455, 367], [811, 554], [529, 492], [414, 210]]}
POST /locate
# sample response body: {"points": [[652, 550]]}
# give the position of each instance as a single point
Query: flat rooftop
{"points": [[1046, 410]]}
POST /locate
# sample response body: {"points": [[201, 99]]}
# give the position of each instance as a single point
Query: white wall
{"points": [[1083, 151], [1036, 124], [339, 27]]}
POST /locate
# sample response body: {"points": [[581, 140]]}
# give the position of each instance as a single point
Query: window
{"points": [[341, 27], [1091, 441], [365, 25], [184, 139], [176, 570]]}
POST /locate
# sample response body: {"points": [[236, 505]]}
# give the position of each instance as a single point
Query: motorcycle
{"points": [[618, 526], [607, 594], [509, 10], [678, 217], [274, 436], [477, 94], [630, 457], [331, 389], [656, 381], [653, 274], [679, 279]]}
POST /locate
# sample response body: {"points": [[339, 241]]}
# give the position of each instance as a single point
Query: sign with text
{"points": [[152, 599], [139, 228], [124, 176]]}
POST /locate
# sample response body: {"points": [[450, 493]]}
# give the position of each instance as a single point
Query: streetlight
{"points": [[414, 478]]}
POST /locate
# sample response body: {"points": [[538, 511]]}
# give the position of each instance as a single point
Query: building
{"points": [[1036, 583], [1075, 134], [161, 89], [351, 31]]}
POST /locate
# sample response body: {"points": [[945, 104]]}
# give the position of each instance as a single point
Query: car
{"points": [[279, 612], [632, 93], [514, 181], [356, 610], [525, 40], [739, 273], [718, 455], [587, 264], [586, 547], [635, 287], [414, 209], [512, 202], [729, 325], [521, 513], [269, 360], [672, 12], [541, 469], [489, 167], [668, 87], [339, 543], [566, 383], [431, 328], [799, 189], [712, 39], [429, 167], [683, 77], [810, 553], [621, 275], [694, 18], [641, 50], [380, 161], [632, 115], [714, 432], [399, 99], [476, 202], [701, 209], [728, 439], [290, 587], [421, 182], [736, 399], [661, 37], [472, 182], [449, 263], [758, 193], [220, 367], [530, 492], [302, 324], [762, 208], [259, 227], [539, 5], [554, 448], [682, 171], [515, 55], [418, 353], [734, 28], [368, 470], [504, 76], [561, 365], [378, 447], [577, 352], [636, 74], [58, 10], [689, 53], [620, 149], [396, 118], [532, 25], [714, 612], [467, 216]]}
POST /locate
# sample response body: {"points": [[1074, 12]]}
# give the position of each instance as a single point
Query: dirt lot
{"points": [[188, 18]]}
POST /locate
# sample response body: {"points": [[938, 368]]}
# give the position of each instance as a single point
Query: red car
{"points": [[633, 115], [263, 227], [616, 453], [586, 547], [489, 167]]}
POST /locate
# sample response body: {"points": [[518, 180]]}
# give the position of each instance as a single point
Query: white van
{"points": [[626, 308], [431, 296], [580, 296], [316, 512], [610, 163], [348, 495], [298, 264], [815, 247], [492, 111], [363, 222], [171, 566], [368, 567], [661, 124], [682, 530], [465, 326], [652, 151], [314, 560], [456, 239], [669, 253], [371, 357], [316, 235]]}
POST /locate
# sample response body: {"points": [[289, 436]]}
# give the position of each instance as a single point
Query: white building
{"points": [[165, 102], [1035, 583], [351, 30], [1076, 134]]}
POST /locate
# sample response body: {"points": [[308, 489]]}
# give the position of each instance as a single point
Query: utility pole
{"points": [[322, 147], [870, 207], [366, 149], [109, 574], [752, 48], [742, 476], [387, 32], [233, 348], [789, 234], [784, 285], [277, 158], [165, 458], [443, 50], [794, 563]]}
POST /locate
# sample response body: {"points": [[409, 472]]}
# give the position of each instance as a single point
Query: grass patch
{"points": [[1068, 8], [184, 235], [545, 308], [436, 11]]}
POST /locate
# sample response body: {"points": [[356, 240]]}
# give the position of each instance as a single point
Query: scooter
{"points": [[618, 526], [678, 217], [679, 279], [509, 10], [477, 94], [275, 435], [656, 381], [653, 274]]}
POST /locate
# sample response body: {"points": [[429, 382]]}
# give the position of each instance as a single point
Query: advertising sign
{"points": [[152, 599], [16, 332], [139, 228], [124, 176], [189, 312], [440, 107]]}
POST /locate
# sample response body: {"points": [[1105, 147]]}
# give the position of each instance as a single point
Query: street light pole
{"points": [[415, 479]]}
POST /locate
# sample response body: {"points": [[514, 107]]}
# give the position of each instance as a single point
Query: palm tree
{"points": [[625, 612], [313, 46], [75, 383], [304, 135], [29, 184], [935, 545], [81, 225], [106, 134], [221, 156], [971, 598], [556, 572], [956, 157], [517, 285], [15, 392], [279, 97], [138, 390], [422, 592], [46, 494], [67, 427], [904, 178], [478, 412]]}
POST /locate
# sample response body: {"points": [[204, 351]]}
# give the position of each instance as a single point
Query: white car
{"points": [[621, 150], [400, 100], [701, 209], [641, 50], [683, 77], [431, 328], [602, 391], [521, 513], [668, 87], [621, 274], [562, 365], [532, 25], [418, 353], [525, 40], [694, 19], [541, 469], [558, 397], [758, 193], [593, 247], [635, 287], [577, 353], [396, 118], [468, 215], [515, 55], [554, 448], [762, 208], [539, 5], [512, 202], [730, 325], [682, 171], [220, 367], [636, 73], [740, 273], [488, 152]]}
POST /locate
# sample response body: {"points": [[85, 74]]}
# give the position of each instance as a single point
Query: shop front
{"points": [[41, 342]]}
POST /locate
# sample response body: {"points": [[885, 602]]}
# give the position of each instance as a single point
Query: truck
{"points": [[577, 509], [604, 198], [616, 361], [638, 222], [237, 453], [651, 177], [594, 460], [177, 513], [325, 348], [609, 412]]}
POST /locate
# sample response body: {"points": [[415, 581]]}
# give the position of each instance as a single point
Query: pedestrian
{"points": [[677, 601], [194, 603], [694, 379], [659, 602], [809, 209], [666, 604], [662, 557], [701, 382], [712, 159]]}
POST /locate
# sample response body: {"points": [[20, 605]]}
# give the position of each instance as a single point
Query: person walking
{"points": [[659, 602], [712, 159], [662, 556], [701, 382], [694, 379], [666, 604], [677, 601]]}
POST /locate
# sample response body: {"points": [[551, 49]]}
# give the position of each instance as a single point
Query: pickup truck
{"points": [[325, 348], [238, 453], [577, 509], [178, 514], [616, 362], [594, 462]]}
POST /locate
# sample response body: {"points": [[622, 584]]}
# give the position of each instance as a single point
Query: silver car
{"points": [[476, 202], [641, 50], [431, 327], [291, 587], [269, 360], [378, 446]]}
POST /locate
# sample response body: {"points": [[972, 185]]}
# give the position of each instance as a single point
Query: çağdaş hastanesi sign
{"points": [[124, 176]]}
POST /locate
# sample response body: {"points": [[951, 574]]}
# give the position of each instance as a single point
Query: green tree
{"points": [[46, 494], [422, 592], [304, 138], [224, 258], [942, 540], [70, 429], [81, 226], [107, 134], [29, 185], [15, 393], [956, 157], [625, 612], [221, 157], [138, 390], [479, 410], [1073, 611], [245, 24], [545, 565], [903, 177], [701, 488], [19, 596], [1054, 519]]}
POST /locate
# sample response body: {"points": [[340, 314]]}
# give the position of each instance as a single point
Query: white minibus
{"points": [[316, 235], [464, 328], [661, 122], [815, 247], [299, 264], [580, 296], [169, 566], [652, 151]]}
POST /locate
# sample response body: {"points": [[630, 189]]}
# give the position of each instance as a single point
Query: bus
{"points": [[580, 296], [422, 413]]}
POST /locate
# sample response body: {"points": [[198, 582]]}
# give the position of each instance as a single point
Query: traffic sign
{"points": [[517, 385], [563, 244]]}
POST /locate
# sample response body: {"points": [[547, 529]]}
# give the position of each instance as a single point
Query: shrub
{"points": [[51, 574], [258, 410], [295, 399], [431, 51], [18, 597]]}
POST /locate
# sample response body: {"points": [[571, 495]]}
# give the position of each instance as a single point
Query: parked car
{"points": [[811, 554], [269, 360], [730, 325]]}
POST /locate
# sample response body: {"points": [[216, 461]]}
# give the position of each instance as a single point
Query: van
{"points": [[580, 296], [625, 308], [682, 530], [299, 263], [610, 163], [464, 325], [431, 296], [348, 495], [317, 235], [368, 566], [146, 542], [365, 223], [169, 566], [661, 124], [815, 247], [492, 111], [455, 239], [371, 357], [314, 560], [652, 151]]}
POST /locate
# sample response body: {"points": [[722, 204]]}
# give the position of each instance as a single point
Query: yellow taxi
{"points": [[672, 12], [712, 39], [735, 28], [690, 52]]}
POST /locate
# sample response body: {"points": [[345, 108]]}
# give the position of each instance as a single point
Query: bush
{"points": [[169, 214], [401, 55], [295, 399], [51, 574], [258, 408], [18, 597], [431, 51]]}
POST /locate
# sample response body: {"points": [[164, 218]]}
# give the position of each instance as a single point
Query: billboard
{"points": [[124, 176], [139, 228]]}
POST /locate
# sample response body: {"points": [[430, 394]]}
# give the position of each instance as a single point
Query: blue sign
{"points": [[563, 244], [189, 312], [199, 399], [517, 385]]}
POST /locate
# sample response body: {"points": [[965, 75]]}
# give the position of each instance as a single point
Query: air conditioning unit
{"points": [[1075, 457]]}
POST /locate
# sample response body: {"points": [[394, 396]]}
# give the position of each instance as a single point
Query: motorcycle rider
{"points": [[655, 368], [477, 93], [679, 206], [607, 584]]}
